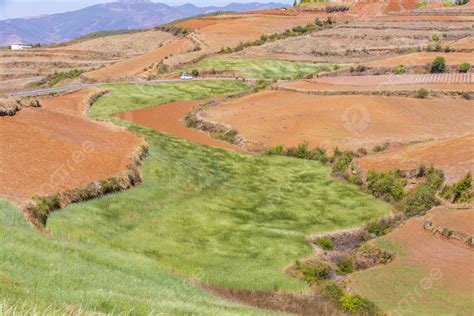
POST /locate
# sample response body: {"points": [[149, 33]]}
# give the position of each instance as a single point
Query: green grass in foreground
{"points": [[45, 274], [219, 216], [260, 68]]}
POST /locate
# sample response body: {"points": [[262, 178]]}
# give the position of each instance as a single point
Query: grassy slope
{"points": [[131, 97], [61, 276], [407, 288], [220, 216], [259, 68]]}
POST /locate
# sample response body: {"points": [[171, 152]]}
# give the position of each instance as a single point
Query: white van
{"points": [[186, 77]]}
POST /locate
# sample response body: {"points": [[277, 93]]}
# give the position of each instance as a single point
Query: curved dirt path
{"points": [[167, 118], [55, 148]]}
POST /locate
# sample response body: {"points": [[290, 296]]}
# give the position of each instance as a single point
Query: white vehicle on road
{"points": [[186, 77]]}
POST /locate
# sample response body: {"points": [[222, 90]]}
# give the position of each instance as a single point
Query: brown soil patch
{"points": [[18, 68], [136, 65], [54, 148], [465, 43], [319, 85], [384, 80], [350, 122], [437, 253], [455, 156], [423, 59], [412, 18], [456, 220], [125, 45], [300, 304], [431, 273], [167, 118]]}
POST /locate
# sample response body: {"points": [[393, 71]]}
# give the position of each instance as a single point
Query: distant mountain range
{"points": [[125, 14]]}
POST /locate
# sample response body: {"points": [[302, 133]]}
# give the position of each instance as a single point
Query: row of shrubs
{"points": [[320, 273], [295, 31], [56, 78], [176, 31], [337, 8]]}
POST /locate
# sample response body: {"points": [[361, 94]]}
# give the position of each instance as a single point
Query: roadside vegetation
{"points": [[55, 79], [216, 215], [258, 68]]}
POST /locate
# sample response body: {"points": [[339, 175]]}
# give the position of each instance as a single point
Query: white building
{"points": [[20, 47]]}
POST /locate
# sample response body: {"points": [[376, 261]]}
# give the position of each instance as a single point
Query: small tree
{"points": [[463, 68], [438, 65]]}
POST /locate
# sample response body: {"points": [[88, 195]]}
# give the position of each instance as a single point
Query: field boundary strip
{"points": [[398, 79]]}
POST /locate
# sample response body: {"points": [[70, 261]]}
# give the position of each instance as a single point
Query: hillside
{"points": [[125, 14]]}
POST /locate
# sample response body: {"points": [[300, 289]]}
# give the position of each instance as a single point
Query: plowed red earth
{"points": [[409, 18], [350, 122], [456, 220], [435, 252], [54, 148], [136, 65], [423, 59], [168, 119], [347, 85], [454, 156]]}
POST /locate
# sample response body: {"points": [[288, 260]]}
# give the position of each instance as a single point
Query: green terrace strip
{"points": [[260, 68], [133, 97], [44, 274], [219, 216]]}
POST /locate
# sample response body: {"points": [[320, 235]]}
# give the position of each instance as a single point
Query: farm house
{"points": [[19, 47]]}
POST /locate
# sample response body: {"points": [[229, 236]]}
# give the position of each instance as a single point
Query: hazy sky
{"points": [[22, 8]]}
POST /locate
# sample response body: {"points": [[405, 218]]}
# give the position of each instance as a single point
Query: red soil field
{"points": [[465, 43], [456, 220], [411, 18], [350, 122], [423, 59], [54, 148], [167, 118], [435, 252], [135, 65], [367, 83], [430, 270], [455, 156]]}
